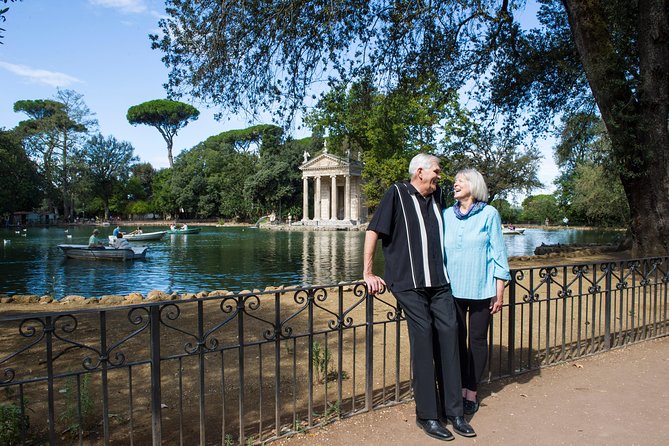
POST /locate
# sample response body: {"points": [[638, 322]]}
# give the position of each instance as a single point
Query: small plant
{"points": [[228, 440], [321, 361], [250, 440], [12, 424], [85, 405], [333, 409]]}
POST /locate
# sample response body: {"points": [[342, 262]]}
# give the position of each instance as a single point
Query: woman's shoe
{"points": [[470, 407]]}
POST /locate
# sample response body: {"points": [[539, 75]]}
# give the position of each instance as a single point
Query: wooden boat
{"points": [[513, 231], [184, 231], [143, 237], [83, 252]]}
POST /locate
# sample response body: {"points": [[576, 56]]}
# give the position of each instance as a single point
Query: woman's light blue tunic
{"points": [[474, 253]]}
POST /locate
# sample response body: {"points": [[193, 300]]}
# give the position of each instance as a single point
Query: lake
{"points": [[230, 258]]}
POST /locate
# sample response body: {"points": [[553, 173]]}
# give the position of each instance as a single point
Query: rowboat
{"points": [[513, 231], [83, 252], [143, 237], [184, 231]]}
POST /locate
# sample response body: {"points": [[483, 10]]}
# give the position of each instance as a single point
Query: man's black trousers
{"points": [[433, 336]]}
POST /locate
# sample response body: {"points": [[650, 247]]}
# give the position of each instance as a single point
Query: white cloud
{"points": [[130, 6], [50, 78]]}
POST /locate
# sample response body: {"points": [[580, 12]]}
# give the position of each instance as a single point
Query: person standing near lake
{"points": [[478, 267], [409, 223]]}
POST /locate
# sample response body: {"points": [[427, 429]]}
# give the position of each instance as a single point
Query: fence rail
{"points": [[251, 367]]}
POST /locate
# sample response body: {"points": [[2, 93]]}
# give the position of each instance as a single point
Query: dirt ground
{"points": [[615, 398]]}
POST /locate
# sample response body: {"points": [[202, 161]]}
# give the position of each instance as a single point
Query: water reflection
{"points": [[217, 258]]}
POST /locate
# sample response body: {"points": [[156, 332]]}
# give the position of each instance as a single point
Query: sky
{"points": [[101, 49]]}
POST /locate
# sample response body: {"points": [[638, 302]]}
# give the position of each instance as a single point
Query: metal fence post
{"points": [[511, 325], [49, 329], [607, 307], [369, 353], [156, 416]]}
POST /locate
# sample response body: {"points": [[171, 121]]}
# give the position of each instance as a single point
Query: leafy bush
{"points": [[12, 424]]}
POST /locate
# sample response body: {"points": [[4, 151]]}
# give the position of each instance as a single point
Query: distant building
{"points": [[336, 191], [27, 218]]}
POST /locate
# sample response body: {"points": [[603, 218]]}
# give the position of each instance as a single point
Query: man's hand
{"points": [[374, 283]]}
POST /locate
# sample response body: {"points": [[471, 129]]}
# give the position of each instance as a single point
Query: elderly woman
{"points": [[478, 268]]}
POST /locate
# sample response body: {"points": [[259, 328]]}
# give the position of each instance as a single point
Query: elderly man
{"points": [[94, 241], [409, 223]]}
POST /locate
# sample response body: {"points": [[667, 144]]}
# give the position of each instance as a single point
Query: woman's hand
{"points": [[497, 301], [496, 304]]}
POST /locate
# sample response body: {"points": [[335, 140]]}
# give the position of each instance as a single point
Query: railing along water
{"points": [[255, 366]]}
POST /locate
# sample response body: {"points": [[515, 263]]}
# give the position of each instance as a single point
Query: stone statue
{"points": [[325, 146], [306, 156]]}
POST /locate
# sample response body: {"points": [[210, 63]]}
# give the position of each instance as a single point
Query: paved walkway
{"points": [[615, 398]]}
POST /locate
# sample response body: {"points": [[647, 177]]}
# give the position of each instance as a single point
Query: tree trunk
{"points": [[635, 115]]}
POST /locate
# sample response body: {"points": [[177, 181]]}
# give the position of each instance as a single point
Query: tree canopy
{"points": [[612, 54], [52, 135], [166, 115], [19, 179]]}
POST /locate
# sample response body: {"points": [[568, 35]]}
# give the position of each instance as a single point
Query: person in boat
{"points": [[184, 227], [173, 227], [120, 242], [94, 241], [116, 231], [137, 231], [478, 268]]}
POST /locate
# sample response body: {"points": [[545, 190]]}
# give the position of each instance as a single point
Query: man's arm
{"points": [[374, 282]]}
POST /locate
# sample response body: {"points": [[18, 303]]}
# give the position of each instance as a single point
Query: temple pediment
{"points": [[329, 164]]}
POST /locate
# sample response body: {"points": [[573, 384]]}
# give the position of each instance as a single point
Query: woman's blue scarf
{"points": [[474, 209]]}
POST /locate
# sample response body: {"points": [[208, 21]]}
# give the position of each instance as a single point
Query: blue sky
{"points": [[101, 49]]}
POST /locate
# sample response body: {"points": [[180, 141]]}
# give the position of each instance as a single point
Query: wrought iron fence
{"points": [[255, 366]]}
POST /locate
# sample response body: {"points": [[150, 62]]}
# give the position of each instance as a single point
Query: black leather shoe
{"points": [[435, 429], [470, 407], [461, 426]]}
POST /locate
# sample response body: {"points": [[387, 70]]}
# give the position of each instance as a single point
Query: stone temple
{"points": [[333, 185]]}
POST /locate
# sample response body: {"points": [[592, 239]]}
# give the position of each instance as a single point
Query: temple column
{"points": [[347, 198], [305, 199], [333, 194], [317, 199]]}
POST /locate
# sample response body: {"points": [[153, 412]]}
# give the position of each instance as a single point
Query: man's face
{"points": [[429, 178]]}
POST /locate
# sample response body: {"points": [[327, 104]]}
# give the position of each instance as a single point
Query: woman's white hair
{"points": [[476, 182], [422, 160]]}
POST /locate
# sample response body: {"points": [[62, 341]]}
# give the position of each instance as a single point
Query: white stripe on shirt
{"points": [[423, 241]]}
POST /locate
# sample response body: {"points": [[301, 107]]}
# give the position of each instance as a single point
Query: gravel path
{"points": [[615, 398]]}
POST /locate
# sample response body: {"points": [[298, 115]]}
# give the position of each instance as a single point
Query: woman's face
{"points": [[461, 188]]}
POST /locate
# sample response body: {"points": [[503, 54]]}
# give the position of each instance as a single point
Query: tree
{"points": [[613, 53], [166, 115], [208, 180], [19, 181], [498, 154], [507, 213], [538, 208], [598, 198], [589, 190], [386, 129], [277, 183], [52, 135], [108, 161]]}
